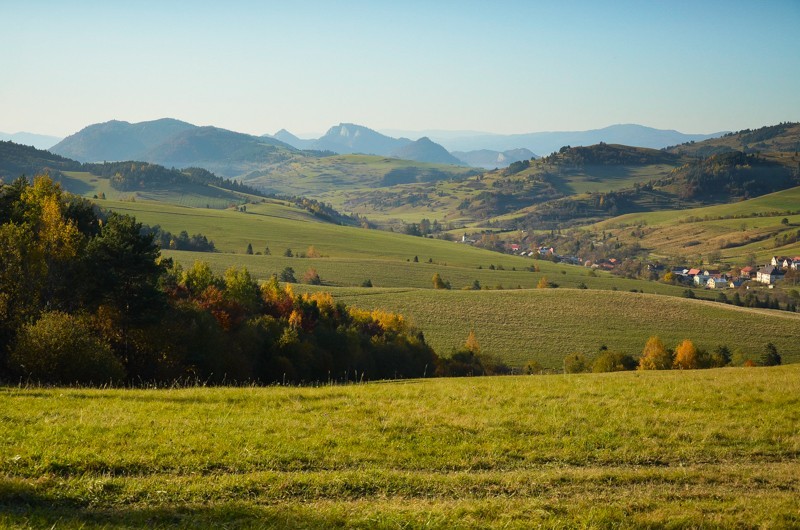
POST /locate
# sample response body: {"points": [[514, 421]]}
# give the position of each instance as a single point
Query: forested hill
{"points": [[783, 137], [609, 155], [17, 160]]}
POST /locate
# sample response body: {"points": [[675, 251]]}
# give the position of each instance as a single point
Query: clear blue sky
{"points": [[499, 66]]}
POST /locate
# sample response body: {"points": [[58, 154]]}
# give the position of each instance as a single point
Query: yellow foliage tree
{"points": [[543, 284], [655, 355], [686, 357], [472, 342]]}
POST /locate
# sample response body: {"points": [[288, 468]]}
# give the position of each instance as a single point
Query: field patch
{"points": [[702, 448]]}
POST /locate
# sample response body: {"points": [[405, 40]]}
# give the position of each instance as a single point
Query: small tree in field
{"points": [[686, 357], [655, 356], [249, 248], [770, 357], [543, 283], [311, 277], [575, 363], [439, 283], [472, 343]]}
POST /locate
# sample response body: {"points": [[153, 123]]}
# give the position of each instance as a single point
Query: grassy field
{"points": [[546, 324], [351, 255], [736, 230], [309, 176], [702, 449], [191, 195]]}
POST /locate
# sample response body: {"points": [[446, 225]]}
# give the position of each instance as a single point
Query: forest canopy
{"points": [[85, 297]]}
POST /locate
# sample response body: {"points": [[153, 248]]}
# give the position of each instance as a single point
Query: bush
{"points": [[609, 361], [62, 348]]}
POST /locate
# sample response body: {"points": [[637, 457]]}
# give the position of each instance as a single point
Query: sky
{"points": [[495, 66]]}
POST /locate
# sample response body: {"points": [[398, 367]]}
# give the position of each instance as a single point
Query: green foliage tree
{"points": [[287, 275], [576, 363], [770, 357], [62, 348], [609, 361], [249, 249], [721, 356]]}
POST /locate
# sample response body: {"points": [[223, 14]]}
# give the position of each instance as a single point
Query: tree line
{"points": [[85, 297]]}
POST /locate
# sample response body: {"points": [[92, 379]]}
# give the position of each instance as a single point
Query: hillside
{"points": [[316, 176], [783, 138], [118, 140], [737, 232], [17, 160], [227, 153], [540, 324], [424, 150], [514, 191]]}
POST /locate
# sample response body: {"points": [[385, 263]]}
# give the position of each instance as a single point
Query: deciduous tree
{"points": [[655, 355]]}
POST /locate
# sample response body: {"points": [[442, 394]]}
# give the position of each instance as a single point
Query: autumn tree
{"points": [[543, 283], [439, 283], [655, 355], [686, 356], [472, 343], [311, 277]]}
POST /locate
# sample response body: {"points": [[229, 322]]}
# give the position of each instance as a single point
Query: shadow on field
{"points": [[23, 508]]}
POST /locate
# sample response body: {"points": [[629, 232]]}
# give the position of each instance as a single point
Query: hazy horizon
{"points": [[508, 67]]}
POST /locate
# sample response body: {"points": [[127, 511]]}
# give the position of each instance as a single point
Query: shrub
{"points": [[311, 277], [575, 363], [609, 361], [62, 348]]}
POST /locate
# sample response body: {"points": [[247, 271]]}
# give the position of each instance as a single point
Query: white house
{"points": [[768, 274], [717, 283]]}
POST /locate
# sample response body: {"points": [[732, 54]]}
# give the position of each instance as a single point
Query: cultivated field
{"points": [[547, 324], [701, 449]]}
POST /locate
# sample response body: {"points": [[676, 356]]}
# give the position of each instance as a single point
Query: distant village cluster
{"points": [[768, 274]]}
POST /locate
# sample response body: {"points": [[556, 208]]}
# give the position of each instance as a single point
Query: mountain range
{"points": [[544, 143], [175, 143]]}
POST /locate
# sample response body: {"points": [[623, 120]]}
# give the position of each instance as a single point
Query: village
{"points": [[768, 274]]}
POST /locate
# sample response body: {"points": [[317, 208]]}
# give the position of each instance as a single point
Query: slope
{"points": [[118, 140]]}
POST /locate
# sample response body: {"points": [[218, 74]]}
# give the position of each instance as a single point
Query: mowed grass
{"points": [[545, 325], [714, 448]]}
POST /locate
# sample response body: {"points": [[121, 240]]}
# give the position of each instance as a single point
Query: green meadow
{"points": [[693, 449]]}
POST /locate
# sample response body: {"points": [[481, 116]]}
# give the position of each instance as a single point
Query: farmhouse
{"points": [[717, 283], [768, 274]]}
